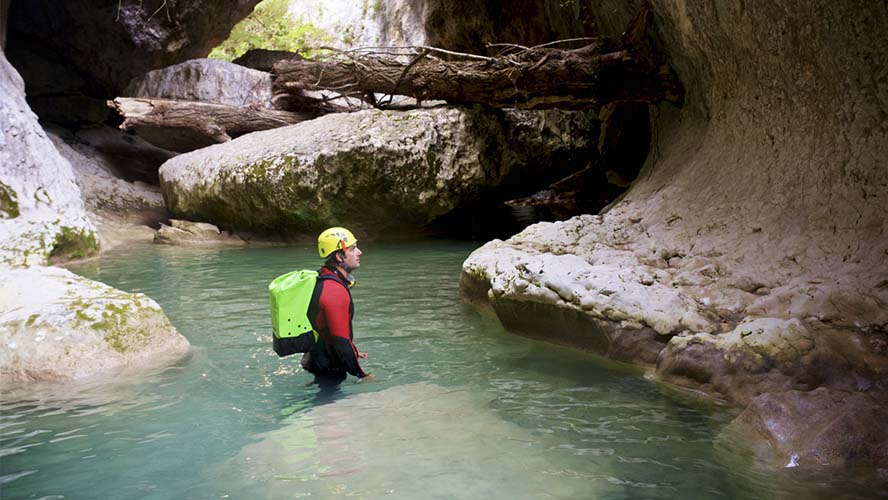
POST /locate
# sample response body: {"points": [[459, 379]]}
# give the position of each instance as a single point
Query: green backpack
{"points": [[290, 297]]}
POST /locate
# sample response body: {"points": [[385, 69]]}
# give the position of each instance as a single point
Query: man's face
{"points": [[352, 257]]}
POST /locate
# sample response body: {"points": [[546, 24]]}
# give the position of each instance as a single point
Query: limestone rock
{"points": [[373, 169], [763, 355], [56, 325], [107, 43], [41, 211], [205, 80], [840, 428], [617, 306], [353, 23], [103, 184], [183, 232]]}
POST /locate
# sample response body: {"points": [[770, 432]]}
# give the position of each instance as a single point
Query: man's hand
{"points": [[366, 378], [362, 355]]}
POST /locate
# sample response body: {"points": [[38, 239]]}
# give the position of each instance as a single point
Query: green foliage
{"points": [[271, 27], [8, 205], [74, 244]]}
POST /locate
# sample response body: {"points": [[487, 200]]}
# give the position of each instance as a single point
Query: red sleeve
{"points": [[334, 310]]}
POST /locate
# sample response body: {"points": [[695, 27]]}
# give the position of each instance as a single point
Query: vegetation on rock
{"points": [[71, 243], [8, 205]]}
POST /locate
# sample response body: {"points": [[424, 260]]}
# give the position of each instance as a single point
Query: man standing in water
{"points": [[331, 311]]}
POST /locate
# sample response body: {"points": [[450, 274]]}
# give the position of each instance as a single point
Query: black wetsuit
{"points": [[331, 312]]}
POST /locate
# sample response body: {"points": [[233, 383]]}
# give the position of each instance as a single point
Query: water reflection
{"points": [[460, 408]]}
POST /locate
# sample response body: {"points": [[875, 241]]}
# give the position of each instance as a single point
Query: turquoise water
{"points": [[460, 409]]}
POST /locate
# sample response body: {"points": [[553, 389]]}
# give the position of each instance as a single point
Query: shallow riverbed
{"points": [[460, 408]]}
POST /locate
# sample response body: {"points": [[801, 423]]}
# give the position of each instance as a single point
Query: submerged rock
{"points": [[371, 169], [56, 325]]}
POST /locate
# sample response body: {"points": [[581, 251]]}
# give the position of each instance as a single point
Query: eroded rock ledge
{"points": [[596, 283]]}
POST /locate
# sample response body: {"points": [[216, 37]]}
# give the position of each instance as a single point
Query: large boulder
{"points": [[110, 168], [56, 325], [205, 80], [372, 169]]}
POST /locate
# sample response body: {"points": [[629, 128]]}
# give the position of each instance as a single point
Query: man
{"points": [[331, 310]]}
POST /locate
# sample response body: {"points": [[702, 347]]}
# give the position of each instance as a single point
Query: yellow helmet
{"points": [[335, 238]]}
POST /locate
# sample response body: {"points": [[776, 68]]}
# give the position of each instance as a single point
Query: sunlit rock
{"points": [[41, 210], [370, 169], [56, 325]]}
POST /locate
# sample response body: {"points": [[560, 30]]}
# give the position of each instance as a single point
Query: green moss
{"points": [[31, 320], [74, 244], [9, 208], [113, 324]]}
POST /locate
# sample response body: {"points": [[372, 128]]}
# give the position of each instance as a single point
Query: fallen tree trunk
{"points": [[585, 78], [185, 126]]}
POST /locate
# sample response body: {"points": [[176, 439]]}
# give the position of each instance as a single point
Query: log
{"points": [[183, 126], [538, 78]]}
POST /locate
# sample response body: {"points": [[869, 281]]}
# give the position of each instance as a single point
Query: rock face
{"points": [[205, 80], [41, 211], [370, 169], [55, 325], [751, 251], [467, 26], [104, 44], [59, 326], [109, 168], [355, 23]]}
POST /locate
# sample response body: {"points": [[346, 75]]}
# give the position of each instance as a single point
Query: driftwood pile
{"points": [[600, 73]]}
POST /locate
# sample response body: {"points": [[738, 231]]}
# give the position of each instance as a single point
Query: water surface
{"points": [[460, 409]]}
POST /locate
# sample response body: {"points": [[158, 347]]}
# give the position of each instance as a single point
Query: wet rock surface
{"points": [[842, 428]]}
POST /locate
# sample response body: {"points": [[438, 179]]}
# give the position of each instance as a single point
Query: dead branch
{"points": [[184, 126]]}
